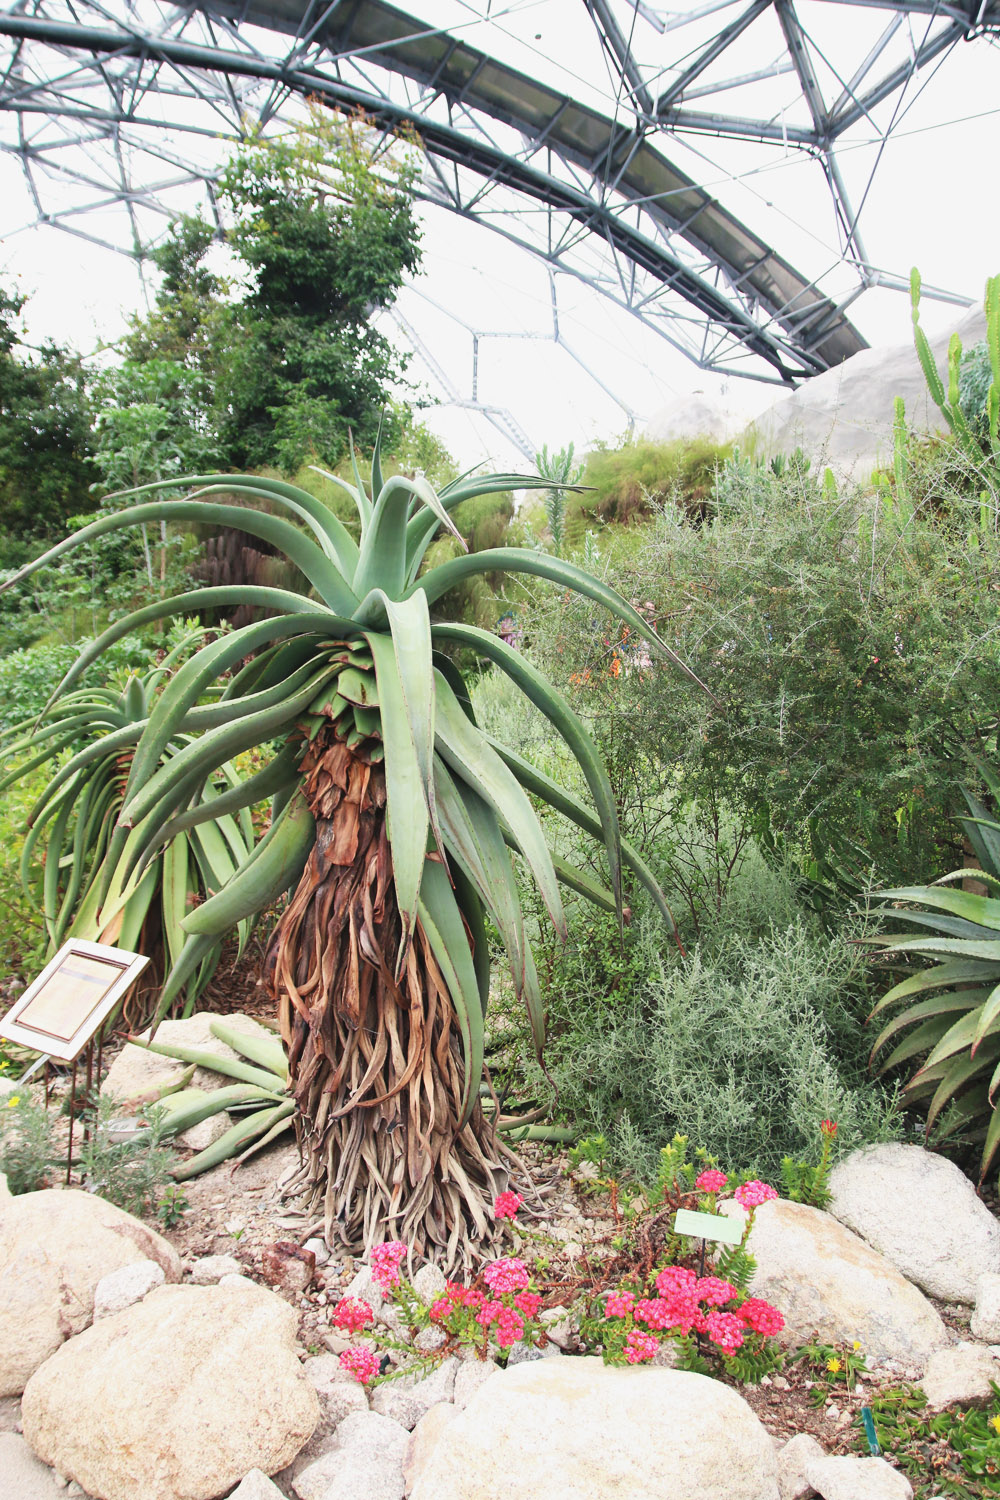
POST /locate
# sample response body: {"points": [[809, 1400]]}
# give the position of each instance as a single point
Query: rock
{"points": [[211, 1269], [22, 1477], [429, 1284], [583, 1430], [843, 417], [960, 1376], [288, 1265], [684, 419], [136, 1073], [319, 1248], [883, 1194], [256, 1486], [366, 1464], [235, 1278], [429, 1340], [177, 1398], [829, 1284], [470, 1375], [206, 1132], [985, 1323], [558, 1325], [407, 1399], [339, 1392], [793, 1458], [119, 1289], [55, 1246], [858, 1479], [521, 1353], [424, 1439]]}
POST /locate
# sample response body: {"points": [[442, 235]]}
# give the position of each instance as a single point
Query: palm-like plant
{"points": [[951, 1014], [393, 818], [67, 869]]}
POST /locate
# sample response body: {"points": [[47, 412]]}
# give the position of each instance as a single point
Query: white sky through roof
{"points": [[485, 311]]}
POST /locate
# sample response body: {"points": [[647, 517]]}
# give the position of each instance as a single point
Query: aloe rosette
{"points": [[394, 821], [945, 1014], [66, 867]]}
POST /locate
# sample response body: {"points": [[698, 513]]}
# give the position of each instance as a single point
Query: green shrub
{"points": [[745, 1046], [28, 1150], [632, 480], [133, 1174]]}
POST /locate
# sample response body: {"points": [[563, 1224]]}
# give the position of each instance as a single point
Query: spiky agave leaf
{"points": [[66, 866], [950, 1015], [396, 825]]}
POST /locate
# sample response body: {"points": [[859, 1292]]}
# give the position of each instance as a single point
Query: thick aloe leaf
{"points": [[407, 812], [442, 922], [321, 572], [959, 1037], [518, 560], [422, 527], [562, 718], [383, 562], [960, 1073], [940, 1005], [543, 786], [970, 971], [981, 910], [282, 771], [918, 1042], [984, 834], [473, 761]]}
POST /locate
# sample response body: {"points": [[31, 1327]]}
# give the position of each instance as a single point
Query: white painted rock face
{"points": [[177, 1398], [829, 1284], [120, 1289], [921, 1212], [582, 1430], [406, 1400], [55, 1246], [136, 1072], [366, 1462], [985, 1323]]}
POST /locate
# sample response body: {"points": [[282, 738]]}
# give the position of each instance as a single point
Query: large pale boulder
{"points": [[830, 1285], [55, 1246], [922, 1213], [583, 1430], [22, 1477], [177, 1398], [137, 1073], [844, 416], [961, 1376]]}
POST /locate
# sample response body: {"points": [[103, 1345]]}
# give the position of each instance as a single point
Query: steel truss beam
{"points": [[114, 83]]}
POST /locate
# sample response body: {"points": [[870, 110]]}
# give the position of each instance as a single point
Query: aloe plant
{"points": [[67, 868], [394, 817], [950, 1020]]}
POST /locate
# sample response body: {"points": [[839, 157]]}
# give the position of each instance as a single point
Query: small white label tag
{"points": [[709, 1226]]}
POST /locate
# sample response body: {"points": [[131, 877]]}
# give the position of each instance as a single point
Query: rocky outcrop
{"points": [[177, 1398], [55, 1246], [922, 1213], [583, 1430]]}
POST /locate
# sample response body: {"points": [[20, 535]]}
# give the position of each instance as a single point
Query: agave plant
{"points": [[393, 819], [951, 997], [67, 868]]}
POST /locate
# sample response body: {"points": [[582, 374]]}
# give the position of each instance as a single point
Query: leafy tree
{"points": [[391, 815], [44, 431]]}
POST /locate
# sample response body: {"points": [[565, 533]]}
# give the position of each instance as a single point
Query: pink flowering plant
{"points": [[499, 1309], [665, 1295]]}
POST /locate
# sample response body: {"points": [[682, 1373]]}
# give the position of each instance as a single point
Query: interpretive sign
{"points": [[65, 1007], [709, 1226]]}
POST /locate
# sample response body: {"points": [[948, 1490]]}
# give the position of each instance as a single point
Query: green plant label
{"points": [[709, 1226]]}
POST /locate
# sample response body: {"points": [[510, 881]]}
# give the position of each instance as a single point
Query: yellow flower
{"points": [[13, 1100], [995, 1423], [856, 1346], [833, 1365]]}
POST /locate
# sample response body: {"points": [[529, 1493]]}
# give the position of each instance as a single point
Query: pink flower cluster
{"points": [[711, 1180], [640, 1346], [509, 1323], [509, 1275], [725, 1330], [386, 1260], [619, 1304], [761, 1316], [506, 1205], [363, 1364], [352, 1314], [752, 1194]]}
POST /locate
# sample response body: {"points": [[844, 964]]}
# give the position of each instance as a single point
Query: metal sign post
{"points": [[65, 1009]]}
